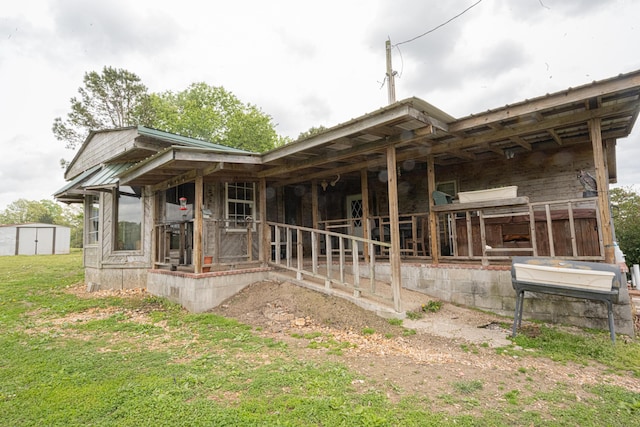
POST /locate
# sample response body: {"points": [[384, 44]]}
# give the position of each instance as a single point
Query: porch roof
{"points": [[418, 129]]}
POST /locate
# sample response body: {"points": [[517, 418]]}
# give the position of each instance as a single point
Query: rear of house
{"points": [[406, 195]]}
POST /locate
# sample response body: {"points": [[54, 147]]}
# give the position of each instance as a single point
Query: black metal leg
{"points": [[612, 331], [517, 315]]}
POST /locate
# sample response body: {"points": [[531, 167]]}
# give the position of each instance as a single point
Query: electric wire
{"points": [[441, 25]]}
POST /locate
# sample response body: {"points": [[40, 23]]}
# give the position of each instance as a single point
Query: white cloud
{"points": [[305, 64]]}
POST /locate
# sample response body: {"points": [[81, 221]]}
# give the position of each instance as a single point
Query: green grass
{"points": [[582, 348], [60, 366]]}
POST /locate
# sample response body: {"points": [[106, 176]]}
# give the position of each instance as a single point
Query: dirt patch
{"points": [[435, 357], [431, 357]]}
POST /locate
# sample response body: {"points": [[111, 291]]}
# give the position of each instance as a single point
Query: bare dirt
{"points": [[452, 346], [430, 357]]}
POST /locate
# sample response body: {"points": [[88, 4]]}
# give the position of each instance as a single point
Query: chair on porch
{"points": [[440, 198]]}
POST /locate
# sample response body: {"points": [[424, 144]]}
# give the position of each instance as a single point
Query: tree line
{"points": [[116, 98]]}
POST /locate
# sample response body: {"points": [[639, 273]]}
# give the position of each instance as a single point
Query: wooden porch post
{"points": [[314, 204], [264, 254], [602, 181], [197, 225], [433, 217], [364, 185], [394, 224]]}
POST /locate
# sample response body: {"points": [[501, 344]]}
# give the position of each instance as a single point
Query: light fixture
{"points": [[324, 185]]}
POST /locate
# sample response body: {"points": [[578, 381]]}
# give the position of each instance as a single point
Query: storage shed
{"points": [[34, 239]]}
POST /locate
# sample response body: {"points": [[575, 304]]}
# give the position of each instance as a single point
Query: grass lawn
{"points": [[71, 361]]}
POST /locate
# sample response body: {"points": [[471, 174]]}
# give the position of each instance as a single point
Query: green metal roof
{"points": [[107, 177], [186, 141], [75, 182]]}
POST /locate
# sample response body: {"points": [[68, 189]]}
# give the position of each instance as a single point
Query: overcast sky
{"points": [[303, 63]]}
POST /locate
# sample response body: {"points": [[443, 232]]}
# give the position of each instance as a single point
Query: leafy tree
{"points": [[111, 99], [312, 131], [213, 114], [626, 220]]}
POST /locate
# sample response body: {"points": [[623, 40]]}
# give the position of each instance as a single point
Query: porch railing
{"points": [[334, 258], [570, 229]]}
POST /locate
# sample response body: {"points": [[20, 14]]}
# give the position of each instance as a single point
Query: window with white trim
{"points": [[93, 219], [240, 204]]}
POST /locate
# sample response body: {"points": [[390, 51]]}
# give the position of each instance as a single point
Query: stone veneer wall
{"points": [[489, 288]]}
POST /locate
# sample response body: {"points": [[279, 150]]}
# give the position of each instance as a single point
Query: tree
{"points": [[626, 220], [213, 114], [312, 131], [111, 99]]}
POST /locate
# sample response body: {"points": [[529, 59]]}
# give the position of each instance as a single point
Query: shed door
{"points": [[35, 241]]}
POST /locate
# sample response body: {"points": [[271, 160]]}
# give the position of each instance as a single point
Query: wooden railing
{"points": [[335, 258], [414, 232], [173, 243], [570, 229]]}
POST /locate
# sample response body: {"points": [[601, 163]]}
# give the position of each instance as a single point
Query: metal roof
{"points": [[416, 130], [187, 141], [106, 177], [70, 192]]}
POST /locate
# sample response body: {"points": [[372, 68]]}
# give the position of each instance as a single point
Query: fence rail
{"points": [[335, 258]]}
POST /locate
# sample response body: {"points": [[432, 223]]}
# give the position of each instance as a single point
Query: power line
{"points": [[439, 26]]}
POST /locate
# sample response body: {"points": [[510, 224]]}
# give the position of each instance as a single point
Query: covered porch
{"points": [[376, 196]]}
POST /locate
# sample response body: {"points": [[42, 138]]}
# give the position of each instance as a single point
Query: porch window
{"points": [[240, 201], [93, 219], [129, 213]]}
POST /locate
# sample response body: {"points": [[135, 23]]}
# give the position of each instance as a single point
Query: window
{"points": [[240, 198], [448, 187], [93, 219], [129, 213]]}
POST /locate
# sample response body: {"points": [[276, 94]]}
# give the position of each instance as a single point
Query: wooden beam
{"points": [[521, 142], [565, 97], [198, 250], [345, 130], [193, 155], [603, 189], [175, 181], [394, 225], [265, 245], [508, 133], [433, 216], [136, 171]]}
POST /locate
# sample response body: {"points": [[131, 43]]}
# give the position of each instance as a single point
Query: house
{"points": [[405, 197], [34, 239]]}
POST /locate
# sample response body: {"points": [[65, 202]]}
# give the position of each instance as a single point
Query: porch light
{"points": [[183, 203]]}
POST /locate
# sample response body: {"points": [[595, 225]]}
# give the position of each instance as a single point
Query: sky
{"points": [[303, 63]]}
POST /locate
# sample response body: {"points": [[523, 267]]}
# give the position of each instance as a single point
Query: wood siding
{"points": [[102, 147]]}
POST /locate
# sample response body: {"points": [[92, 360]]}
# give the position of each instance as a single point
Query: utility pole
{"points": [[390, 74]]}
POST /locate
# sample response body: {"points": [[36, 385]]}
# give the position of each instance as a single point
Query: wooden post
{"points": [[394, 225], [433, 217], [603, 189], [198, 252], [364, 184], [264, 252], [154, 232], [391, 83]]}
